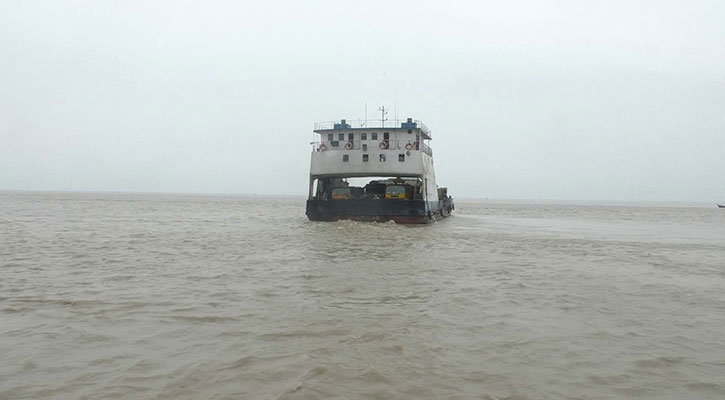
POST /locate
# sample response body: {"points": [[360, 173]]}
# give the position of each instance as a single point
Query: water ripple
{"points": [[181, 297]]}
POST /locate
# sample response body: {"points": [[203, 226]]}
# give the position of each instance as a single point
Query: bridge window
{"points": [[345, 158], [382, 158], [363, 136], [401, 157], [365, 158], [365, 147], [386, 135], [330, 137], [341, 136], [374, 135], [350, 136]]}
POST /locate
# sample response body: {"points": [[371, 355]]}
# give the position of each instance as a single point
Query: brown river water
{"points": [[131, 296]]}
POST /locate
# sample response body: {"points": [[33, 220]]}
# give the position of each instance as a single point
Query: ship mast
{"points": [[383, 113]]}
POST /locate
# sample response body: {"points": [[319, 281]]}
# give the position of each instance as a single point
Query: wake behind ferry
{"points": [[398, 160]]}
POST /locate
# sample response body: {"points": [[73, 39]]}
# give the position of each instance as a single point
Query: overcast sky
{"points": [[578, 100]]}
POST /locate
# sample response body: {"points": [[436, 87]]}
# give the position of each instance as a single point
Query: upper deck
{"points": [[408, 125], [371, 148]]}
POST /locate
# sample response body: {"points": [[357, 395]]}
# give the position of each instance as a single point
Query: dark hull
{"points": [[400, 211]]}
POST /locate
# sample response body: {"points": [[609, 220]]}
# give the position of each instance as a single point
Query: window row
{"points": [[351, 136], [365, 158]]}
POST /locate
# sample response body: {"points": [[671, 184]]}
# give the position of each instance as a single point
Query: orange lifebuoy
{"points": [[348, 145], [383, 145], [322, 147], [409, 146]]}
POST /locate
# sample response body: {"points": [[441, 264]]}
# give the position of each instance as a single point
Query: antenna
{"points": [[395, 105], [366, 114], [383, 113]]}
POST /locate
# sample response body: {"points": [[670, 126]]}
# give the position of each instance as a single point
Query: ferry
{"points": [[397, 160]]}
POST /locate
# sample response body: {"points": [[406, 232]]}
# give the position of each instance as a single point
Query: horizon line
{"points": [[462, 198]]}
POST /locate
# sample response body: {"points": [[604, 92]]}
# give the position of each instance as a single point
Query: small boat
{"points": [[721, 206]]}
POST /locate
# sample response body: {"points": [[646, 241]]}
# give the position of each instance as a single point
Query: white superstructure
{"points": [[365, 148]]}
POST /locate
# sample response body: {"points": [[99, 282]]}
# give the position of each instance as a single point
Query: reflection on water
{"points": [[170, 296]]}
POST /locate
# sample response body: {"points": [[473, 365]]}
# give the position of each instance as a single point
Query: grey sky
{"points": [[600, 100]]}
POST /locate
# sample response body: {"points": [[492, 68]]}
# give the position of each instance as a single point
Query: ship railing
{"points": [[426, 149], [369, 124], [368, 145]]}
